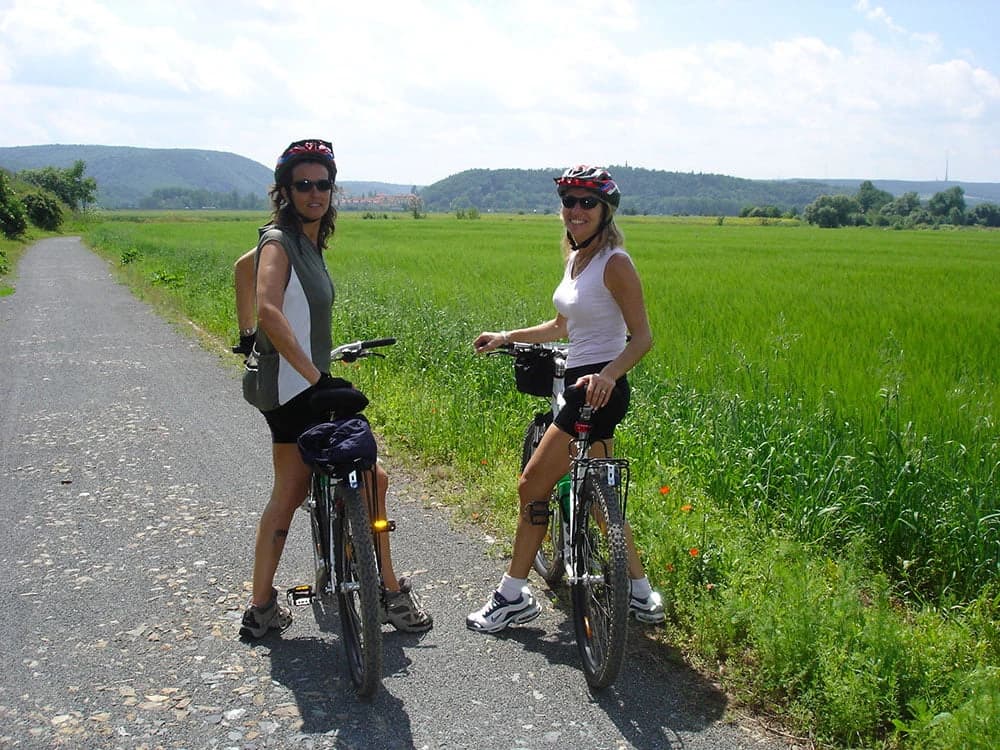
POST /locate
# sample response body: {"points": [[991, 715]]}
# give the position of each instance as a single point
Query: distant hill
{"points": [[126, 176], [361, 188], [644, 191], [647, 191]]}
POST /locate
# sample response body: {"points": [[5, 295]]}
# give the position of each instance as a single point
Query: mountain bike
{"points": [[345, 523], [585, 539]]}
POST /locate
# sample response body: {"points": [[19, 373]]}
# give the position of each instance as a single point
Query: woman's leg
{"points": [[291, 484], [402, 608], [547, 464], [381, 489]]}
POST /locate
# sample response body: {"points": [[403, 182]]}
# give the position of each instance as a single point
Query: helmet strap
{"points": [[605, 223]]}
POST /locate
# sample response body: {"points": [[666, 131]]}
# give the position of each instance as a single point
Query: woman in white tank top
{"points": [[600, 309]]}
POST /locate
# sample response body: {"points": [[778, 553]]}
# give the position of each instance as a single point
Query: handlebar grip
{"points": [[378, 342]]}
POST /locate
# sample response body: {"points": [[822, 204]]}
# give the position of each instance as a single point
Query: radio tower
{"points": [[945, 166]]}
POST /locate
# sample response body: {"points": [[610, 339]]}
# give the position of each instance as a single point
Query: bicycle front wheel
{"points": [[358, 592], [600, 584], [548, 562]]}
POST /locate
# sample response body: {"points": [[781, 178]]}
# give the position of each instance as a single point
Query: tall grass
{"points": [[837, 383], [814, 435]]}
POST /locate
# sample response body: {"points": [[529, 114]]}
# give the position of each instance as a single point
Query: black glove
{"points": [[246, 344], [328, 381]]}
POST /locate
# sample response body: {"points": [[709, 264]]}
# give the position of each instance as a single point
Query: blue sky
{"points": [[415, 90]]}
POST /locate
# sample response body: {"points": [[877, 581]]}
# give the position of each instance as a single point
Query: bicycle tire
{"points": [[600, 588], [548, 562], [358, 591]]}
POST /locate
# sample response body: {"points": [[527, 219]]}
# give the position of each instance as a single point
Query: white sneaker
{"points": [[498, 612], [649, 609]]}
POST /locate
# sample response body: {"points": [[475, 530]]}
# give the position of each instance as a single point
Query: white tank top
{"points": [[595, 323]]}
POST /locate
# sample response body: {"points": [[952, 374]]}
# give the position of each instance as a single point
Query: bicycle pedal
{"points": [[300, 596]]}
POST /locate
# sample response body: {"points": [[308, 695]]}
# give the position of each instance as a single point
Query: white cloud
{"points": [[878, 13], [415, 90]]}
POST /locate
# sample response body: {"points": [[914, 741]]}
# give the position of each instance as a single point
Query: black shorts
{"points": [[602, 427], [292, 418]]}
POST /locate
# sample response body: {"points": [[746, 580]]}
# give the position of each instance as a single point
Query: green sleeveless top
{"points": [[307, 305]]}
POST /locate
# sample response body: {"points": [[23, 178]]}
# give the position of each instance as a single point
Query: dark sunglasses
{"points": [[587, 202], [304, 186]]}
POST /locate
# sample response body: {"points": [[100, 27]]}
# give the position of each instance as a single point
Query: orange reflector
{"points": [[380, 525]]}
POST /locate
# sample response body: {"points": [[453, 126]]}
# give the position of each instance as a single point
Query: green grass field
{"points": [[815, 428]]}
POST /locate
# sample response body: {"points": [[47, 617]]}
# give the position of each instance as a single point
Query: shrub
{"points": [[43, 210], [13, 220]]}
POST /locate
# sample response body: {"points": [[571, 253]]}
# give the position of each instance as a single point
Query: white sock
{"points": [[510, 588], [641, 588]]}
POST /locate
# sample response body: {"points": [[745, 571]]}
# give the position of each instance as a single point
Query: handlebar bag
{"points": [[343, 441], [533, 372]]}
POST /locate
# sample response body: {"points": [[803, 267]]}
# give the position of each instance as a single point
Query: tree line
{"points": [[41, 196], [179, 198], [644, 192], [873, 207]]}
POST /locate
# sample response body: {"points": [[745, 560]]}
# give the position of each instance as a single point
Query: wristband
{"points": [[505, 335]]}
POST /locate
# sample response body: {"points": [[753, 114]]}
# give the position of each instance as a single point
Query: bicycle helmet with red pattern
{"points": [[311, 149], [595, 179]]}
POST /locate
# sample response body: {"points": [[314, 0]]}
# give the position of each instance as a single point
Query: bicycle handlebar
{"points": [[358, 349], [515, 347]]}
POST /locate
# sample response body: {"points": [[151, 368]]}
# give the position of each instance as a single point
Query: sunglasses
{"points": [[587, 202], [304, 186]]}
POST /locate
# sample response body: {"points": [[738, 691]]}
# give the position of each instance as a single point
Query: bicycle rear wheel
{"points": [[548, 562], [358, 591], [600, 586]]}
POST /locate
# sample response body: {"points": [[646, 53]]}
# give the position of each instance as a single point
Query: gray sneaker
{"points": [[272, 616], [403, 610]]}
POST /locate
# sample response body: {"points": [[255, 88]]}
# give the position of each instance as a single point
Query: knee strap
{"points": [[538, 512]]}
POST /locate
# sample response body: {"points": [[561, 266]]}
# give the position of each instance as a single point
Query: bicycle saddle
{"points": [[342, 402]]}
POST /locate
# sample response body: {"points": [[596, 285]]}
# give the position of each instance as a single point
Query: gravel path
{"points": [[131, 477]]}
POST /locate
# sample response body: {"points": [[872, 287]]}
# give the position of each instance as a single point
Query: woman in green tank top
{"points": [[294, 296]]}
